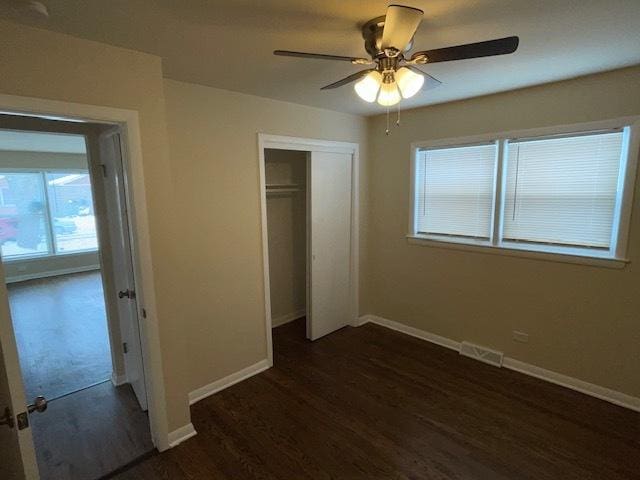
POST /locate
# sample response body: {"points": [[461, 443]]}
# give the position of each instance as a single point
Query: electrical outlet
{"points": [[520, 337]]}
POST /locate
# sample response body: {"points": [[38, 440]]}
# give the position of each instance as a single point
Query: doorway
{"points": [[310, 233], [69, 273]]}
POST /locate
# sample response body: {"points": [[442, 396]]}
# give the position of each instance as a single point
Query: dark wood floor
{"points": [[90, 433], [370, 403], [61, 331]]}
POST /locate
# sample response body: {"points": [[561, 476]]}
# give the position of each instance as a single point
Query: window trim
{"points": [[51, 242], [614, 257]]}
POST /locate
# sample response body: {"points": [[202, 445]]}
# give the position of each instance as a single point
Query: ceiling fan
{"points": [[393, 74]]}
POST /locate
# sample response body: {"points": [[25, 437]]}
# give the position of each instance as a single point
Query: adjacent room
{"points": [[50, 257], [322, 240], [70, 359]]}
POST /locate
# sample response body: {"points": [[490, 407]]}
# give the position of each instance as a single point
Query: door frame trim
{"points": [[128, 121], [280, 142]]}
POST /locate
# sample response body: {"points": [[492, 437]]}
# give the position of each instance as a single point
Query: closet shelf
{"points": [[275, 188]]}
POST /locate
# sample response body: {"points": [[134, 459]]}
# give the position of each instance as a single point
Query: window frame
{"points": [[51, 237], [614, 257]]}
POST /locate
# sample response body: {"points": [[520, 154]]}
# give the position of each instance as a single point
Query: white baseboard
{"points": [[359, 321], [51, 273], [214, 387], [289, 317], [414, 332], [181, 434], [603, 393], [118, 380]]}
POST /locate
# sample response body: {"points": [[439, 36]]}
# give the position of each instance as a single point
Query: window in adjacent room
{"points": [[46, 213]]}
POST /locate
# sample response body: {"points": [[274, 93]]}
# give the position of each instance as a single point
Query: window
{"points": [[23, 223], [46, 213], [71, 210], [563, 190], [555, 193], [455, 191]]}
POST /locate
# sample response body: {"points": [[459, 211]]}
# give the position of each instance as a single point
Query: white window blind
{"points": [[455, 190], [562, 190]]}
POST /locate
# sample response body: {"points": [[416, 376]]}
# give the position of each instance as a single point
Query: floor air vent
{"points": [[483, 354]]}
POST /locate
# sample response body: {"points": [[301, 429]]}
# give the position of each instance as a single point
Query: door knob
{"points": [[39, 404]]}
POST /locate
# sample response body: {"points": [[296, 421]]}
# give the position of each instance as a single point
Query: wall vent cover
{"points": [[483, 354]]}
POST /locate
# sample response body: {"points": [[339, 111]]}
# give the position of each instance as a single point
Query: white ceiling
{"points": [[17, 141], [229, 44]]}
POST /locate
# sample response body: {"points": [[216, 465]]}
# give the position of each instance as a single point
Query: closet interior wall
{"points": [[286, 182]]}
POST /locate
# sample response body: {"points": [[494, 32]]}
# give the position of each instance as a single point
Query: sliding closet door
{"points": [[330, 213]]}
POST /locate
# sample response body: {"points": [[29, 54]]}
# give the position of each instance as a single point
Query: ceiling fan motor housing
{"points": [[372, 34]]}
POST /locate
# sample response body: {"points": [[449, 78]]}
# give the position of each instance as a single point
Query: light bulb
{"points": [[389, 94], [409, 82], [367, 88]]}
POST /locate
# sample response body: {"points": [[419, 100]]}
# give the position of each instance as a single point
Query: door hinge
{"points": [[7, 419], [125, 347], [130, 294]]}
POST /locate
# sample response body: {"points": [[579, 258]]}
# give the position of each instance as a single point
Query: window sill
{"points": [[48, 256], [473, 246]]}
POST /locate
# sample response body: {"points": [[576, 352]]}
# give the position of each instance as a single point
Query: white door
{"points": [[330, 216], [17, 456], [118, 228]]}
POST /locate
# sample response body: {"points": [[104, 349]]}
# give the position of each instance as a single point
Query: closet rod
{"points": [[283, 190]]}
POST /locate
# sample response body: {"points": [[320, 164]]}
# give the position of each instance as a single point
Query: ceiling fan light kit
{"points": [[384, 87], [394, 76], [368, 88], [389, 94]]}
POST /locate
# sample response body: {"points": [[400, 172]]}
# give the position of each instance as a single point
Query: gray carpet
{"points": [[61, 331]]}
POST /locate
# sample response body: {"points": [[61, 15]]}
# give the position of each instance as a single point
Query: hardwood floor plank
{"points": [[90, 433], [370, 403], [60, 325]]}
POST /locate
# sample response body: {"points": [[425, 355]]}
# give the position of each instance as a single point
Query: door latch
{"points": [[23, 420]]}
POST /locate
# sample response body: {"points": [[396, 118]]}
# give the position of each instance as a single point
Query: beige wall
{"points": [[287, 233], [583, 321], [214, 160], [42, 160], [37, 63], [20, 270]]}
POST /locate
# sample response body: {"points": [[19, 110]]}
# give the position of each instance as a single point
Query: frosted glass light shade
{"points": [[367, 88], [389, 94], [409, 82]]}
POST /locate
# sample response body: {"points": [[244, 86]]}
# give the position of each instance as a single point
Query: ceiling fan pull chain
{"points": [[398, 119], [387, 129]]}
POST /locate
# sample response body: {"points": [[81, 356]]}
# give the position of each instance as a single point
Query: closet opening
{"points": [[286, 197], [310, 236]]}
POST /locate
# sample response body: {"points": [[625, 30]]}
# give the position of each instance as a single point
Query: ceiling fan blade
{"points": [[400, 24], [429, 81], [355, 60], [349, 79], [501, 46]]}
